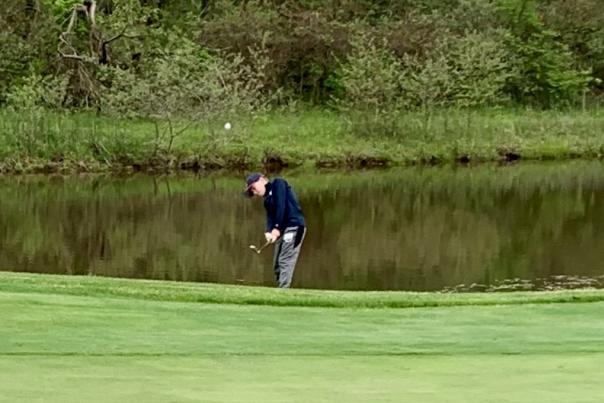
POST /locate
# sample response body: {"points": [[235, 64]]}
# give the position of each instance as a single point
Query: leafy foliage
{"points": [[234, 55], [546, 72]]}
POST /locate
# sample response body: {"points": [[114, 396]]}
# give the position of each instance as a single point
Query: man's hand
{"points": [[272, 236]]}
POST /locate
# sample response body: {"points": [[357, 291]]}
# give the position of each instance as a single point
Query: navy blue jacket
{"points": [[282, 207]]}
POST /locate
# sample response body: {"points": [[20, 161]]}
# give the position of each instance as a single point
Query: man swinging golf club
{"points": [[285, 225]]}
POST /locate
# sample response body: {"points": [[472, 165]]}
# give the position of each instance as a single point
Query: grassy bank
{"points": [[162, 291], [41, 141], [58, 347]]}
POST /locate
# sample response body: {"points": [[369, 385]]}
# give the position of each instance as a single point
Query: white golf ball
{"points": [[227, 126]]}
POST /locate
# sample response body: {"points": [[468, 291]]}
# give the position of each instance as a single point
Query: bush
{"points": [[581, 27], [545, 70], [370, 77], [15, 56], [185, 81], [303, 45], [464, 71], [26, 43], [368, 84], [38, 91]]}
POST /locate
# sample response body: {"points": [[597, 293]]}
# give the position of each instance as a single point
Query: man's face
{"points": [[258, 188]]}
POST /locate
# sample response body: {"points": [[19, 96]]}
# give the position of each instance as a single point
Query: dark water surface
{"points": [[486, 228]]}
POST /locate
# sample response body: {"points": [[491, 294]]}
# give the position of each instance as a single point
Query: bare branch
{"points": [[74, 14], [116, 37], [74, 57], [72, 19], [91, 11], [62, 40]]}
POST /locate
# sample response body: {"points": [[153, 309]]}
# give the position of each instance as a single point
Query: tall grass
{"points": [[38, 140]]}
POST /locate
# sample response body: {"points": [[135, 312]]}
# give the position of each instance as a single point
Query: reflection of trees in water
{"points": [[404, 244], [406, 229], [177, 236]]}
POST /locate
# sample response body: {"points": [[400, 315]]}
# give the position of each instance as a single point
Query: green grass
{"points": [[42, 141], [164, 291], [137, 346]]}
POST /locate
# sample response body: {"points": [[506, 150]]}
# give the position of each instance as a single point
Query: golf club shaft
{"points": [[264, 246]]}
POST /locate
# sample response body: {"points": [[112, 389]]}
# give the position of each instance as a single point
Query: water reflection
{"points": [[466, 229]]}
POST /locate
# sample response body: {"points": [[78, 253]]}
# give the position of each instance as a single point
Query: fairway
{"points": [[71, 348]]}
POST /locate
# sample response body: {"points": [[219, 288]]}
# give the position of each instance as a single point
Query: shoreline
{"points": [[49, 142]]}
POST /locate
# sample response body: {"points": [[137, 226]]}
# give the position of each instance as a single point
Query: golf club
{"points": [[258, 250]]}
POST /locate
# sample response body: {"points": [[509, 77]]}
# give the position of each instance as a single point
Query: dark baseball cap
{"points": [[249, 181]]}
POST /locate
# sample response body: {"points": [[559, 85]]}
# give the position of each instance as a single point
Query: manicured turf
{"points": [[227, 294], [56, 347]]}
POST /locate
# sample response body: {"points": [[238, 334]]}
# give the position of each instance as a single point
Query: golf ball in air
{"points": [[227, 126]]}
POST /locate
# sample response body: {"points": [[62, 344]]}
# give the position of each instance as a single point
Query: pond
{"points": [[529, 226]]}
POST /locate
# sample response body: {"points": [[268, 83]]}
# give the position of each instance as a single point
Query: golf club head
{"points": [[258, 250]]}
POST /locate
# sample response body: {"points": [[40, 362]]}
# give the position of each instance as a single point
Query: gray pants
{"points": [[287, 250]]}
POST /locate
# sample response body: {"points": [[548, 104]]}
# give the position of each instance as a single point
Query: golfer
{"points": [[285, 224]]}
